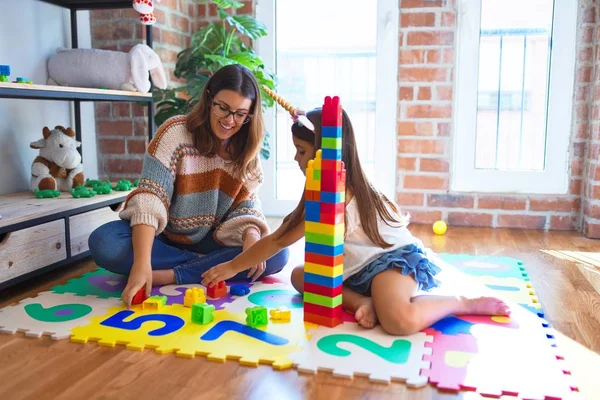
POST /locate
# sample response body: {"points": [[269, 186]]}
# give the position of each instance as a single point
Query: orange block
{"points": [[322, 320]]}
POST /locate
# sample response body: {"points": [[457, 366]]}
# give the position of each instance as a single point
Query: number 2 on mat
{"points": [[172, 323], [397, 353]]}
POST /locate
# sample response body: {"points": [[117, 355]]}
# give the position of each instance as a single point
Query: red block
{"points": [[331, 208], [324, 311], [140, 296], [320, 259], [328, 218], [322, 290], [331, 165], [217, 291], [330, 322], [313, 195], [333, 181], [332, 112]]}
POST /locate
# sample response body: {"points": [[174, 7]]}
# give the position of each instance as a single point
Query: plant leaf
{"points": [[228, 3], [248, 25]]}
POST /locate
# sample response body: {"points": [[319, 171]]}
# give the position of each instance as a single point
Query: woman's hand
{"points": [[218, 273], [140, 276], [254, 272]]}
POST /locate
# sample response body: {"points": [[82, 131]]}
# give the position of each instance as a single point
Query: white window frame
{"points": [[385, 104], [554, 178]]}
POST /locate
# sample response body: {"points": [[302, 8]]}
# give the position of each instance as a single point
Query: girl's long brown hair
{"points": [[371, 203], [243, 147]]}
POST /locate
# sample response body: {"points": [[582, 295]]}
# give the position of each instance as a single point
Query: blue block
{"points": [[323, 280], [324, 250], [331, 154], [331, 197], [313, 211], [331, 131], [5, 70]]}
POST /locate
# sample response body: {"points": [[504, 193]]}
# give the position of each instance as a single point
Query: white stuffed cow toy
{"points": [[116, 70], [58, 165]]}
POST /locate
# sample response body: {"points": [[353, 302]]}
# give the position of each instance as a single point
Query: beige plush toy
{"points": [[58, 165]]}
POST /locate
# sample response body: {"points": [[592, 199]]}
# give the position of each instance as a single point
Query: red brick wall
{"points": [[426, 81], [589, 163]]}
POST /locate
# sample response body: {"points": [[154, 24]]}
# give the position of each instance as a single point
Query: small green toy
{"points": [[123, 185], [202, 313], [81, 191], [103, 188], [256, 317], [136, 182], [92, 182], [46, 193]]}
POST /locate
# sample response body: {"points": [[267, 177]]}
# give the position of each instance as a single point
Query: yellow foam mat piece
{"points": [[171, 330]]}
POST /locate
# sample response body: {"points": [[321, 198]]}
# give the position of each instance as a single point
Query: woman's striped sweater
{"points": [[184, 194]]}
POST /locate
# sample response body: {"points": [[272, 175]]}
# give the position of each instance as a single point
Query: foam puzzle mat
{"points": [[490, 355]]}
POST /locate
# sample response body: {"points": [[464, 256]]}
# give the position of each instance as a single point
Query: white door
{"points": [[347, 49]]}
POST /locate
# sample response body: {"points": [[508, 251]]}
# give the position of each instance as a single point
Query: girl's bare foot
{"points": [[484, 306], [365, 314]]}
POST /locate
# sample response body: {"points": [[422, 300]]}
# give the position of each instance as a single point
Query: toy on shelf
{"points": [[58, 165], [324, 223], [46, 193], [116, 70], [286, 105], [193, 296], [239, 290], [154, 303], [82, 192], [140, 296], [217, 291], [256, 316], [202, 313], [24, 80], [123, 185], [146, 10], [282, 313], [4, 73]]}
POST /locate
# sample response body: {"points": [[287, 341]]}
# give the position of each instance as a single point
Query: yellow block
{"points": [[324, 270], [325, 229]]}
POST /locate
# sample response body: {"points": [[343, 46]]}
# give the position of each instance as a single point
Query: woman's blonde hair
{"points": [[244, 146]]}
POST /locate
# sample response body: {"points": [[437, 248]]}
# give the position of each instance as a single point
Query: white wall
{"points": [[31, 30]]}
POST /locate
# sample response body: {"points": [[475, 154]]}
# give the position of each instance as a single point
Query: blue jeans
{"points": [[111, 248]]}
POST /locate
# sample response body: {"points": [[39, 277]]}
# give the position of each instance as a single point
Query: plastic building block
{"points": [[202, 313], [324, 225], [23, 80], [5, 70], [256, 316], [4, 78], [239, 290], [140, 296], [154, 303], [217, 291], [193, 296], [281, 314]]}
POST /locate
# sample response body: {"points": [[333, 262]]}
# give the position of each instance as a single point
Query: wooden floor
{"points": [[563, 267]]}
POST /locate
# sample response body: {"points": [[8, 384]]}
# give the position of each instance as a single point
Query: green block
{"points": [[256, 316], [317, 174], [3, 78], [324, 301], [326, 240], [331, 143], [162, 300], [202, 313]]}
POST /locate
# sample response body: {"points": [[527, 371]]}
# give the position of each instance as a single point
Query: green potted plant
{"points": [[212, 47]]}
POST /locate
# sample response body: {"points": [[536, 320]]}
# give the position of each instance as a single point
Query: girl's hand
{"points": [[218, 273], [140, 276], [255, 271]]}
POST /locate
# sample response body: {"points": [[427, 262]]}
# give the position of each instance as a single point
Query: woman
{"points": [[196, 205]]}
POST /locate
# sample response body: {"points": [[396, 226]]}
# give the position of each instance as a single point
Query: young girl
{"points": [[384, 265], [196, 205]]}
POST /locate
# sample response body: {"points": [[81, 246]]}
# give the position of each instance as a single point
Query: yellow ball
{"points": [[439, 227]]}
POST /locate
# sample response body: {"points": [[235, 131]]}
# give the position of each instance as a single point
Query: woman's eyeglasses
{"points": [[222, 112]]}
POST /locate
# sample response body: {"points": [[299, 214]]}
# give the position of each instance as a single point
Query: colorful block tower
{"points": [[324, 224]]}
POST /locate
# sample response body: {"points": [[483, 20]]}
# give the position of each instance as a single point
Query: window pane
{"points": [[336, 56], [514, 57]]}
